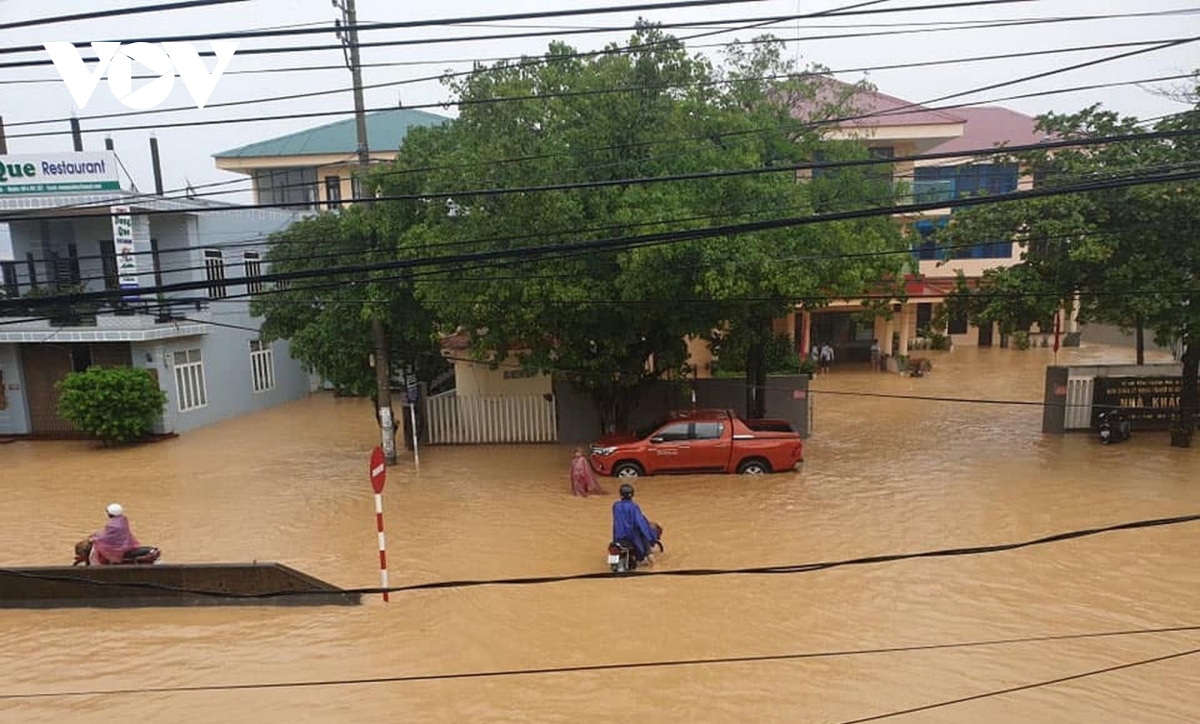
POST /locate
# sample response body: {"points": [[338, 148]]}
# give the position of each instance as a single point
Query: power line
{"points": [[261, 241], [583, 668], [624, 89], [1072, 89], [707, 175], [850, 10], [329, 28], [618, 243], [762, 22], [608, 576], [1026, 687], [807, 166], [940, 25], [96, 14]]}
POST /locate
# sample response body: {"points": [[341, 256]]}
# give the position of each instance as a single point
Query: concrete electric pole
{"points": [[348, 34]]}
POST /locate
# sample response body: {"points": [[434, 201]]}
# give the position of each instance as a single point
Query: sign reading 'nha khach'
{"points": [[53, 173]]}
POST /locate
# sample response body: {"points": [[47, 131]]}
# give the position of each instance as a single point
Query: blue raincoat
{"points": [[631, 525]]}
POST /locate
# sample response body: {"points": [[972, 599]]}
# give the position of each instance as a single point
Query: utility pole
{"points": [[348, 34]]}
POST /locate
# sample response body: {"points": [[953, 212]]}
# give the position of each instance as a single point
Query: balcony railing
{"points": [[114, 315], [925, 192]]}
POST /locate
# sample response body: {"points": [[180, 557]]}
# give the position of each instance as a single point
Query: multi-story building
{"points": [[74, 228], [316, 168], [894, 128]]}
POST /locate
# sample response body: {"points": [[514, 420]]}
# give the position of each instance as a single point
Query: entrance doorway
{"points": [[985, 335]]}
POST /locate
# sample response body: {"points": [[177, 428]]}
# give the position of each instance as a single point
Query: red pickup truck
{"points": [[700, 441]]}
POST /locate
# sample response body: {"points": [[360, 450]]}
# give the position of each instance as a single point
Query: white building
{"points": [[73, 227]]}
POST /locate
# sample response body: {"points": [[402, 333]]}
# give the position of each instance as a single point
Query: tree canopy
{"points": [[624, 123], [1130, 255]]}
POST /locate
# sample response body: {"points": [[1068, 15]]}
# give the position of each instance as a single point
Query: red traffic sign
{"points": [[378, 469]]}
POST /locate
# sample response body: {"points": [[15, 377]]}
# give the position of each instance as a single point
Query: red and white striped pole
{"points": [[378, 479]]}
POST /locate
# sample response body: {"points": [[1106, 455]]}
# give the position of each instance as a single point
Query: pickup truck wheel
{"points": [[754, 466], [627, 470]]}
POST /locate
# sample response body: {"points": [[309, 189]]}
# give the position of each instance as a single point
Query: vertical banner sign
{"points": [[378, 478], [414, 396], [122, 226]]}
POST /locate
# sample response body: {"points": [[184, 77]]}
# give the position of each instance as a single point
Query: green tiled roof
{"points": [[385, 132]]}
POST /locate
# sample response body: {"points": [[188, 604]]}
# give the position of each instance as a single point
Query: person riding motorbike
{"points": [[110, 545], [629, 524]]}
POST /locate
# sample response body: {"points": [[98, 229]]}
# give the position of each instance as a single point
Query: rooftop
{"points": [[877, 109], [991, 126], [385, 132]]}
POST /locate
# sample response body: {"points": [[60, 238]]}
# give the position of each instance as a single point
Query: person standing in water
{"points": [[583, 478]]}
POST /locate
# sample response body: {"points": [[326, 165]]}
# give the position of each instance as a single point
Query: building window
{"points": [[66, 271], [262, 366], [214, 270], [924, 318], [957, 323], [33, 277], [190, 391], [252, 264], [108, 263], [156, 258], [333, 192], [8, 275], [295, 187]]}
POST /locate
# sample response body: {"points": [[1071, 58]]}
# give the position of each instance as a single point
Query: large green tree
{"points": [[1130, 254], [617, 318], [328, 318]]}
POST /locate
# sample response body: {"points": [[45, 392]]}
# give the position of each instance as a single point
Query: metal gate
{"points": [[1079, 403], [454, 420]]}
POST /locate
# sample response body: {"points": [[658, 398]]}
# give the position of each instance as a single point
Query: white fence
{"points": [[453, 420]]}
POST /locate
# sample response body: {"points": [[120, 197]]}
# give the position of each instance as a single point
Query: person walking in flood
{"points": [[826, 358], [876, 356], [583, 478]]}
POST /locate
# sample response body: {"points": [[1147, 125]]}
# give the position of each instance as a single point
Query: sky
{"points": [[186, 152]]}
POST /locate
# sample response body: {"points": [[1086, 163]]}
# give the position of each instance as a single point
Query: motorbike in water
{"points": [[622, 555], [1113, 427], [141, 556]]}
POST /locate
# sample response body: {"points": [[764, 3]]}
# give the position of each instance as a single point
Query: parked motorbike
{"points": [[622, 556], [1113, 427], [143, 556]]}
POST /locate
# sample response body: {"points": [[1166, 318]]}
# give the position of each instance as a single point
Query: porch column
{"points": [[905, 323], [882, 332], [806, 335]]}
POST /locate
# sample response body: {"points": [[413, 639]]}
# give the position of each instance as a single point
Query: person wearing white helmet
{"points": [[111, 544]]}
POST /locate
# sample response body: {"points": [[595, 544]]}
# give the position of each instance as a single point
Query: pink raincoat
{"points": [[111, 544], [583, 480]]}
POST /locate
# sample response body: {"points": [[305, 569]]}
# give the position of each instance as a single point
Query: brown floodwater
{"points": [[882, 476]]}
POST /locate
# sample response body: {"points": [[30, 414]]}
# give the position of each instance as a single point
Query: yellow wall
{"points": [[476, 379], [342, 166], [700, 357]]}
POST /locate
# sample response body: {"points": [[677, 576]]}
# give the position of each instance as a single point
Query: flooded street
{"points": [[882, 475]]}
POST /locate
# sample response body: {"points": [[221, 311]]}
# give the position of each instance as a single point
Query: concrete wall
{"points": [[473, 379], [1112, 336], [579, 419], [14, 416]]}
